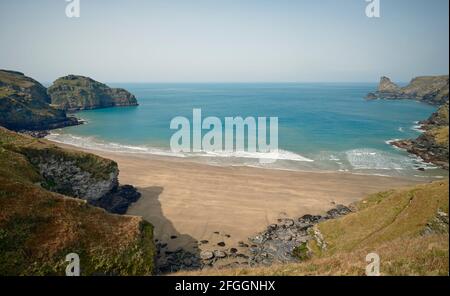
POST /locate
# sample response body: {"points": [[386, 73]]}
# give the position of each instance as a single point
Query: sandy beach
{"points": [[189, 202]]}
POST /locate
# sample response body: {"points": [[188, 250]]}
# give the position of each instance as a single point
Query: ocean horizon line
{"points": [[239, 82]]}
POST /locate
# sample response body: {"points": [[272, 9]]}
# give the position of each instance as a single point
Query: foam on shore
{"points": [[364, 161], [95, 144]]}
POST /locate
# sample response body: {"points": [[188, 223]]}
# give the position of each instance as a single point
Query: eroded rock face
{"points": [[66, 177], [430, 89], [75, 92], [24, 105]]}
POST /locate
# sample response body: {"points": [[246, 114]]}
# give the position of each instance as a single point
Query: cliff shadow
{"points": [[175, 251]]}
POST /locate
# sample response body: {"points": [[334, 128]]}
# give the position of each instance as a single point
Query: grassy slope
{"points": [[39, 228], [390, 224]]}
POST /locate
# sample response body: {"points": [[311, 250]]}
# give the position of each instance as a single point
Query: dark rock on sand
{"points": [[117, 201]]}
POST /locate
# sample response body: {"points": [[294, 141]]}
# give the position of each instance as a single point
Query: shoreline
{"points": [[190, 202], [286, 160]]}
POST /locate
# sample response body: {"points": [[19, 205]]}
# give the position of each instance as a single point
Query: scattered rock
{"points": [[280, 243], [288, 222], [206, 255], [220, 254], [242, 245], [187, 262]]}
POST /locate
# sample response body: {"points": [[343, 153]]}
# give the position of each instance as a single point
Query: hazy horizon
{"points": [[287, 41]]}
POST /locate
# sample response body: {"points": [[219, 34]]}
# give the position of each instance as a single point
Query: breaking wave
{"points": [[95, 144]]}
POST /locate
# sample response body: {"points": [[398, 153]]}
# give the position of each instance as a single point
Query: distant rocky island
{"points": [[73, 93], [432, 145], [27, 106], [428, 89]]}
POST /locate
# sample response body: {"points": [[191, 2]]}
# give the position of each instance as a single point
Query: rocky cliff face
{"points": [[430, 89], [39, 226], [433, 145], [65, 174], [24, 104], [75, 174], [74, 93]]}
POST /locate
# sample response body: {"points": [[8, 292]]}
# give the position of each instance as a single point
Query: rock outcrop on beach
{"points": [[429, 89], [75, 92], [41, 222], [408, 228], [25, 105], [433, 145]]}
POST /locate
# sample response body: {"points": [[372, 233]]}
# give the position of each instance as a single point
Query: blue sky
{"points": [[225, 41]]}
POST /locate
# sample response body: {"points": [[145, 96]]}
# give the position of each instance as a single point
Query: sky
{"points": [[225, 41]]}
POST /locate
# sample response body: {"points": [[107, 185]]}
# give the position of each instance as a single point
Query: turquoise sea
{"points": [[321, 126]]}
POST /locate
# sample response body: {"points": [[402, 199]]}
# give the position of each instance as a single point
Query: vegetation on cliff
{"points": [[38, 228], [74, 92], [24, 104], [429, 89], [407, 228]]}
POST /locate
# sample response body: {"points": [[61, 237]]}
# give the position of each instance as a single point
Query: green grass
{"points": [[386, 216]]}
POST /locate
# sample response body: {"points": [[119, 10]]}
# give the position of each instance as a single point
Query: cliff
{"points": [[74, 92], [432, 146], [41, 222], [408, 228], [429, 89], [24, 104]]}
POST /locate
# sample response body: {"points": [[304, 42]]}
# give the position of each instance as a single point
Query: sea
{"points": [[322, 127]]}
